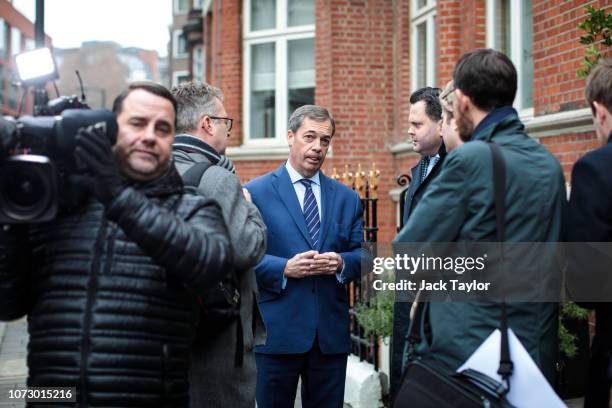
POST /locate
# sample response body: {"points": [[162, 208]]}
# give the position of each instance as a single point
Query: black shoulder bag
{"points": [[430, 384]]}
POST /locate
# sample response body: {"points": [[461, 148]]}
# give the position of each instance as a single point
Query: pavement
{"points": [[14, 371], [13, 353]]}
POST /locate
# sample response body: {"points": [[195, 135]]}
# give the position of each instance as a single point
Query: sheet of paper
{"points": [[528, 387]]}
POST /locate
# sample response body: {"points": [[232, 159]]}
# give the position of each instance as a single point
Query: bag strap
{"points": [[193, 176], [506, 366], [499, 184]]}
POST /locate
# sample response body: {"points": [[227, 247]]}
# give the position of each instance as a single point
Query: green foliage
{"points": [[567, 340], [377, 317], [598, 35]]}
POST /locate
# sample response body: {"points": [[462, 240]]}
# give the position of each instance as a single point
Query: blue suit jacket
{"points": [[316, 304]]}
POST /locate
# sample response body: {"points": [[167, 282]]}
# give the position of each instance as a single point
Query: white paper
{"points": [[528, 387]]}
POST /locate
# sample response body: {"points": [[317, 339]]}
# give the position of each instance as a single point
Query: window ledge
{"points": [[257, 153], [554, 124]]}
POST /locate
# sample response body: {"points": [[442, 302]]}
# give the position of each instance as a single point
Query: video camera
{"points": [[41, 162]]}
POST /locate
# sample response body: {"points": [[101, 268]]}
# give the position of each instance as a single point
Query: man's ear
{"points": [[601, 113], [463, 101], [290, 138], [205, 124]]}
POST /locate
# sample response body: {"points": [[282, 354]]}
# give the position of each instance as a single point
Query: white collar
{"points": [[295, 176]]}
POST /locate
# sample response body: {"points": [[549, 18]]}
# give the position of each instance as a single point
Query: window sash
{"points": [[281, 21], [281, 88], [520, 47], [281, 36], [176, 41], [423, 50]]}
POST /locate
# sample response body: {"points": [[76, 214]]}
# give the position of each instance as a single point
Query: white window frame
{"points": [[175, 42], [177, 10], [279, 36], [200, 76], [176, 75], [516, 49], [427, 15], [16, 40]]}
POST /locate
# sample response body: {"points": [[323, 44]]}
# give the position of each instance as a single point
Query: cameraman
{"points": [[110, 288]]}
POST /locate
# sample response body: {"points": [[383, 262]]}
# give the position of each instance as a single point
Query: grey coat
{"points": [[214, 379]]}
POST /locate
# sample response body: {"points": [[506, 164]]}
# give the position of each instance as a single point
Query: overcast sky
{"points": [[131, 23]]}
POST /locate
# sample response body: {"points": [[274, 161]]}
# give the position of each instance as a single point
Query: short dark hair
{"points": [[488, 77], [599, 85], [312, 112], [431, 97], [149, 86]]}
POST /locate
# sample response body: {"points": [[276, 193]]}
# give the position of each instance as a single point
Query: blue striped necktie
{"points": [[311, 213]]}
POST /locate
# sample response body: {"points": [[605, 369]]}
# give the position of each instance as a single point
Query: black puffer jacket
{"points": [[110, 294]]}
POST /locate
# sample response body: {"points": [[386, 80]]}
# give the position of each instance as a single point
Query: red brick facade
{"points": [[362, 54]]}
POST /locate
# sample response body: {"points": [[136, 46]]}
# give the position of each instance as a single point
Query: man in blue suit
{"points": [[315, 232]]}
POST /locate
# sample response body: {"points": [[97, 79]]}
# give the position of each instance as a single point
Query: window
{"points": [[2, 84], [181, 6], [198, 4], [197, 66], [279, 68], [3, 39], [179, 77], [15, 41], [30, 44], [179, 44], [505, 18], [423, 44], [13, 91]]}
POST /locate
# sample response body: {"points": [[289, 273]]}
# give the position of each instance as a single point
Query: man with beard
{"points": [[315, 231], [110, 287], [460, 207]]}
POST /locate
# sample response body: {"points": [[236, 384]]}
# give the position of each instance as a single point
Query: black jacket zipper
{"points": [[92, 289]]}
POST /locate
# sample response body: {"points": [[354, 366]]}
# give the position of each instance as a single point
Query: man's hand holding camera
{"points": [[313, 263], [94, 152]]}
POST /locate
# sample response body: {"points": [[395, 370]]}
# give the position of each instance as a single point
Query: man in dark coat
{"points": [[426, 133], [590, 220], [459, 207], [223, 369], [110, 287]]}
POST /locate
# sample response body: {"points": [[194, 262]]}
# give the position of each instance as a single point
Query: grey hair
{"points": [[194, 99], [447, 97], [312, 112]]}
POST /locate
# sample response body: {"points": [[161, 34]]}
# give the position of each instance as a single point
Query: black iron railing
{"points": [[366, 185]]}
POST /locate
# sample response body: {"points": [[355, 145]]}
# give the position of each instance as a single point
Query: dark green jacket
{"points": [[459, 206]]}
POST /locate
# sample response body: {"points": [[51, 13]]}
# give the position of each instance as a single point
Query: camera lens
{"points": [[25, 192]]}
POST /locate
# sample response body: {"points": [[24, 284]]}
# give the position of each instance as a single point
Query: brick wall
{"points": [[401, 89], [558, 54], [226, 65], [360, 92], [568, 148]]}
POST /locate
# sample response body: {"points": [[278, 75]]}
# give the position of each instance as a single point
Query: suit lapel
{"points": [[328, 192], [288, 197]]}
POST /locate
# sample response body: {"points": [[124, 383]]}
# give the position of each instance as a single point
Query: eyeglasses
{"points": [[228, 121]]}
